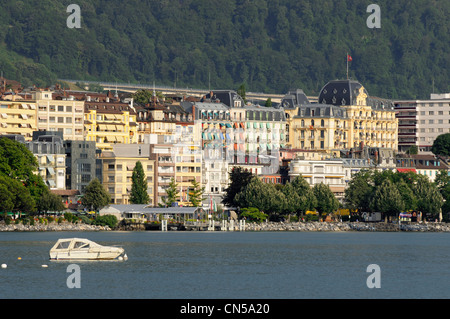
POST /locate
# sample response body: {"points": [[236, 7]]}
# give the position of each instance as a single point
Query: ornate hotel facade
{"points": [[345, 118]]}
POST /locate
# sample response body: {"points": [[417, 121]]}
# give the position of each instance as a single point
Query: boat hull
{"points": [[83, 249]]}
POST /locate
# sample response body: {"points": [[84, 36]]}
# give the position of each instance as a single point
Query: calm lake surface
{"points": [[216, 265]]}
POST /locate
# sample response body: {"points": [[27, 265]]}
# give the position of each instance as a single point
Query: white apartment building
{"points": [[62, 115], [421, 121], [330, 172]]}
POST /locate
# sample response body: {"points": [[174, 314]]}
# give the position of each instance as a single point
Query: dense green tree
{"points": [[253, 214], [442, 179], [172, 194], [441, 145], [144, 97], [106, 220], [49, 202], [239, 178], [388, 192], [17, 167], [95, 196], [139, 194], [264, 197], [6, 199], [408, 197], [196, 193], [242, 92], [413, 150], [429, 199], [326, 201], [387, 199], [359, 191], [299, 197], [17, 198]]}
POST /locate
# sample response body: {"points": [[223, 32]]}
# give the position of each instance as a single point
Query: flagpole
{"points": [[347, 64]]}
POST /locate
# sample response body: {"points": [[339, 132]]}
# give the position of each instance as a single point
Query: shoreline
{"points": [[265, 226], [348, 226], [37, 227]]}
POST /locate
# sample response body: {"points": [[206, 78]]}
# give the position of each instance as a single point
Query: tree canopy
{"points": [[172, 194], [271, 46], [139, 194], [391, 193], [22, 187], [196, 193], [441, 145], [239, 178], [95, 196]]}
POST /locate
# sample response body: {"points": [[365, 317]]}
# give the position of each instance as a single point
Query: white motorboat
{"points": [[84, 249]]}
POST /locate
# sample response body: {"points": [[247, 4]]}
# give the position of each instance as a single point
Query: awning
{"points": [[406, 170]]}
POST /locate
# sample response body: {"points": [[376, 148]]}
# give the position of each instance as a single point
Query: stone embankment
{"points": [[346, 226], [52, 227]]}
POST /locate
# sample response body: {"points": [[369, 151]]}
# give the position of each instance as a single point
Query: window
{"points": [[60, 119], [60, 108], [85, 178], [68, 120], [85, 167], [63, 245], [69, 108], [431, 113]]}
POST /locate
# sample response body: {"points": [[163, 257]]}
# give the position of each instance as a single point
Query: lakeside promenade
{"points": [[266, 226]]}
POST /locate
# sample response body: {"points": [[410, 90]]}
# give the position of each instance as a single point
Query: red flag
{"points": [[349, 58]]}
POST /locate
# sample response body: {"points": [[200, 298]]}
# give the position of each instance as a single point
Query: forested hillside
{"points": [[270, 45]]}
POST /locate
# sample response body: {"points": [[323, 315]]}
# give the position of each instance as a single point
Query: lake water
{"points": [[259, 265]]}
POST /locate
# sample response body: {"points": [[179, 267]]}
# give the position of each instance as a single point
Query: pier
{"points": [[211, 225]]}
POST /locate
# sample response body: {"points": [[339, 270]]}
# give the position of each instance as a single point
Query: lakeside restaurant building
{"points": [[142, 212]]}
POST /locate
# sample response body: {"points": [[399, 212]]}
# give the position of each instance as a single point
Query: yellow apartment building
{"points": [[18, 117], [109, 123], [187, 152], [118, 165]]}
